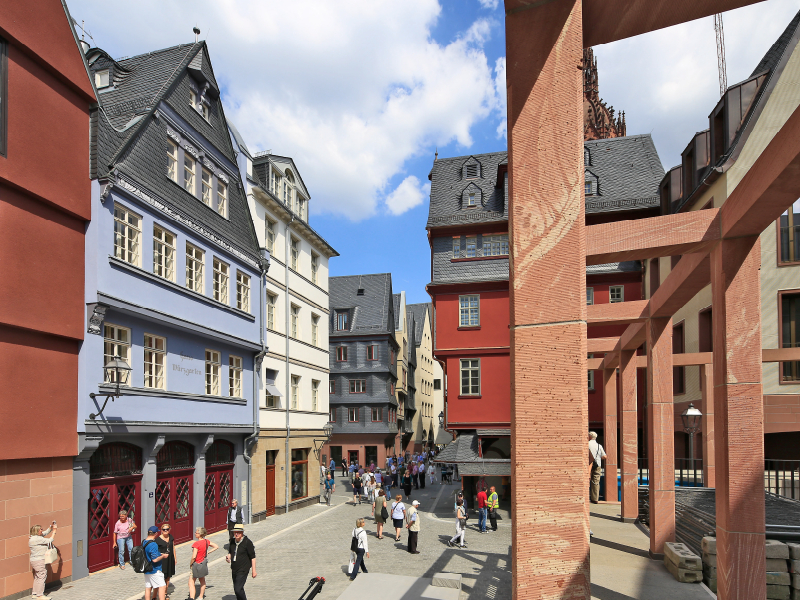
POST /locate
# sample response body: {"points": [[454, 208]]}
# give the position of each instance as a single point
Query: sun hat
{"points": [[238, 527]]}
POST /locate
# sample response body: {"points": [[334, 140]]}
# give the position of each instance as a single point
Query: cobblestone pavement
{"points": [[315, 541]]}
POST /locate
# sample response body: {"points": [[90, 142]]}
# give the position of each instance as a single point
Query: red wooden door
{"points": [[174, 503], [106, 498], [218, 493], [270, 490]]}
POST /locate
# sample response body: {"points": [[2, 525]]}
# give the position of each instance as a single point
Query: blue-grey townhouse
{"points": [[174, 281]]}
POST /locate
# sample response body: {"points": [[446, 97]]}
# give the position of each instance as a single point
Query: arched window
{"points": [[220, 453], [175, 455], [116, 459]]}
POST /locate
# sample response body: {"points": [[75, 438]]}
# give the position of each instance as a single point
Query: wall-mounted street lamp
{"points": [[691, 425], [327, 431], [441, 419], [117, 372]]}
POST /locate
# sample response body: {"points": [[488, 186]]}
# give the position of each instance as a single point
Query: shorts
{"points": [[154, 580], [357, 491], [398, 523]]}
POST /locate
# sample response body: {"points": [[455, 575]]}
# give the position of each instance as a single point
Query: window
{"points": [[391, 356], [163, 253], [372, 352], [332, 386], [116, 342], [102, 78], [789, 226], [299, 473], [213, 364], [188, 173], [332, 415], [314, 395], [272, 401], [591, 375], [352, 415], [203, 108], [155, 358], [456, 247], [270, 235], [295, 253], [295, 391], [471, 199], [469, 312], [341, 353], [472, 246], [495, 245], [437, 384], [314, 268], [471, 171], [616, 293], [655, 275], [220, 281], [192, 98], [127, 234], [790, 317], [377, 414], [222, 199], [589, 295], [295, 319], [208, 180], [272, 300], [235, 376], [314, 330], [470, 376], [172, 160], [405, 379], [358, 386], [678, 373], [341, 321], [3, 95], [587, 188], [242, 291]]}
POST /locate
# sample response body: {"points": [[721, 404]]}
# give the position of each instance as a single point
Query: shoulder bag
{"points": [[384, 512], [51, 554], [354, 542]]}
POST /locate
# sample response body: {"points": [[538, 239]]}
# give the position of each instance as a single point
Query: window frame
{"points": [[272, 303], [150, 365], [159, 245], [357, 386], [242, 291], [500, 240], [213, 364], [470, 368], [470, 309], [295, 392], [342, 318], [314, 268], [207, 187], [352, 414], [589, 295], [172, 160], [235, 372], [117, 343], [331, 386], [679, 373], [377, 411], [611, 289], [294, 321], [792, 365], [794, 234], [98, 79], [341, 353], [314, 395], [304, 469], [221, 199], [474, 239], [269, 234], [294, 251], [331, 414], [372, 349], [457, 247], [221, 281], [591, 376], [135, 240], [190, 175]]}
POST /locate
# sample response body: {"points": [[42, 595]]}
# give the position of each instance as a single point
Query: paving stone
{"points": [[683, 575], [709, 545], [776, 549], [779, 592], [682, 556], [777, 565], [779, 578], [710, 560], [794, 551]]}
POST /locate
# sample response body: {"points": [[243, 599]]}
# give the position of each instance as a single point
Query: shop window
{"points": [[299, 473]]}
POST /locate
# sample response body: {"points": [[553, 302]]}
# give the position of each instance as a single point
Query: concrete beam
{"points": [[669, 235], [601, 344], [690, 275], [617, 313], [689, 359], [633, 337]]}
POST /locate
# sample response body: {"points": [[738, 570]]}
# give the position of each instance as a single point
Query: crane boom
{"points": [[723, 75]]}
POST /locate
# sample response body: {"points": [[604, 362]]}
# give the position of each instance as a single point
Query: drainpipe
{"points": [[287, 458]]}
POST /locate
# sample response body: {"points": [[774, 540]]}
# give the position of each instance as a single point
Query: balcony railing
{"points": [[782, 478]]}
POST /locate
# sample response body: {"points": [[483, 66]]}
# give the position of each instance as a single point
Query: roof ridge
{"points": [[176, 47]]}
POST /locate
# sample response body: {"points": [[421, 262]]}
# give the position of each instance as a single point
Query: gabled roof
{"points": [[419, 311], [371, 313]]}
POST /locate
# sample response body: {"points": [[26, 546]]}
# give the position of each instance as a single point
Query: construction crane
{"points": [[723, 75]]}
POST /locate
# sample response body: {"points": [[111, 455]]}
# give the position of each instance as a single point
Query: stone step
{"points": [[447, 580]]}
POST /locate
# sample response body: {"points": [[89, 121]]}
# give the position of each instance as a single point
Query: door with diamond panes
{"points": [[175, 468], [218, 488]]}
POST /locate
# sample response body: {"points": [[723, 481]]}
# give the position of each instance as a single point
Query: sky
{"points": [[362, 93]]}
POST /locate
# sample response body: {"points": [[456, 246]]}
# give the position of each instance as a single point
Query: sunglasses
{"points": [[165, 529]]}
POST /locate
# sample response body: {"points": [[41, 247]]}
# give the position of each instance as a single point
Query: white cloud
{"points": [[490, 4], [410, 193], [351, 90], [501, 107]]}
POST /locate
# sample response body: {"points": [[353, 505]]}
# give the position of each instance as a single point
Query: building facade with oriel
{"points": [[293, 400], [173, 286]]}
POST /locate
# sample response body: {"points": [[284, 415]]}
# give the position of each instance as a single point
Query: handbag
{"points": [[354, 543], [384, 512], [51, 554]]}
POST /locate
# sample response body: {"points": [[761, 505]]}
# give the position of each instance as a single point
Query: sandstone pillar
{"points": [[738, 418], [660, 435], [549, 412], [629, 435], [610, 432], [707, 424]]}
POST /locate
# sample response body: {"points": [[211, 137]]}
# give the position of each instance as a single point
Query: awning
{"points": [[272, 390]]}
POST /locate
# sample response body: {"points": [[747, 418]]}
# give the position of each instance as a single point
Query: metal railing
{"points": [[782, 478], [688, 472]]}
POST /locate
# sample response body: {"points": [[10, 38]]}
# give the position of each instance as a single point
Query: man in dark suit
{"points": [[234, 518]]}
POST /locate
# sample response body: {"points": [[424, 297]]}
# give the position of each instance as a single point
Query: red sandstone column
{"points": [[549, 412], [738, 418], [707, 424], [660, 435], [629, 436], [610, 431]]}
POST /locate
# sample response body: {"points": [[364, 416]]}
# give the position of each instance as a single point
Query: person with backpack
{"points": [[398, 515], [461, 525], [357, 484], [150, 565], [199, 562], [359, 546], [379, 512], [242, 557]]}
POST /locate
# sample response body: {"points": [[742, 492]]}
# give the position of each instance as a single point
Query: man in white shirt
{"points": [[596, 457], [234, 518]]}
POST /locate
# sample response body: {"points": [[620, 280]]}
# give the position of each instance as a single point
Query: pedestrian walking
{"points": [[122, 536], [357, 487], [330, 488], [415, 475], [460, 496], [379, 512], [482, 510], [412, 517], [154, 578], [407, 483], [461, 526], [332, 466], [234, 518], [387, 485], [393, 470], [242, 556], [198, 565], [398, 515], [166, 545], [596, 457], [422, 475], [492, 504], [360, 547], [38, 542], [344, 468]]}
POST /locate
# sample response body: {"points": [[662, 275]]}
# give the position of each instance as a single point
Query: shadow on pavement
{"points": [[621, 548], [601, 593], [606, 517]]}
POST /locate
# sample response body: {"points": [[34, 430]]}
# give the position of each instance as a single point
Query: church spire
{"points": [[599, 121]]}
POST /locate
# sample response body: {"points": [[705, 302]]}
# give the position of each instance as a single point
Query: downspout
{"points": [[287, 458]]}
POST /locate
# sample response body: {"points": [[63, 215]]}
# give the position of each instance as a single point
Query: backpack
{"points": [[354, 542], [139, 560]]}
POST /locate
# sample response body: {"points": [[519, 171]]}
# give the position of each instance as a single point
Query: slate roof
{"points": [[773, 55], [372, 313], [418, 310], [629, 266], [131, 140], [239, 140], [463, 451]]}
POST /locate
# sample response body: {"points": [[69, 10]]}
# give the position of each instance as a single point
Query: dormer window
{"points": [[102, 78], [341, 321], [588, 188], [198, 104], [471, 200], [471, 171]]}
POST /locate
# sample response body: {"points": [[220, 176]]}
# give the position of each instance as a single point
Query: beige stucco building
{"points": [[429, 401]]}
